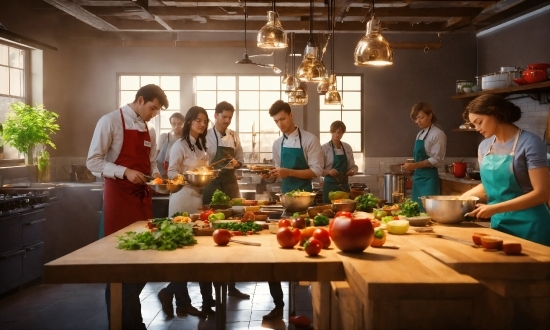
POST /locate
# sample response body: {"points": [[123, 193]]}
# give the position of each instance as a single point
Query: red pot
{"points": [[538, 66], [534, 76], [352, 235]]}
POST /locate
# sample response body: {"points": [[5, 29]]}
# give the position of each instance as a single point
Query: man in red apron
{"points": [[123, 151]]}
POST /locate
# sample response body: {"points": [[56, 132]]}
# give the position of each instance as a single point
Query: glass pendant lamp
{"points": [[332, 96], [323, 85], [311, 69], [272, 35], [373, 50], [296, 94]]}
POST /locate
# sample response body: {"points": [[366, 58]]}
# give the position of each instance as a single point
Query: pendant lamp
{"points": [[323, 85], [332, 96], [296, 94], [311, 69], [373, 50], [272, 35]]}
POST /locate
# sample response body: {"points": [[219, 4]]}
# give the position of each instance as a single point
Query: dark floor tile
{"points": [[237, 325], [98, 321], [273, 324], [233, 305], [238, 316]]}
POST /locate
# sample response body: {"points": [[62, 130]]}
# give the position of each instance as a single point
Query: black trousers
{"points": [[131, 306], [181, 293], [277, 293]]}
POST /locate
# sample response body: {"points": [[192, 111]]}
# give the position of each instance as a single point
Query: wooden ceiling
{"points": [[222, 16]]}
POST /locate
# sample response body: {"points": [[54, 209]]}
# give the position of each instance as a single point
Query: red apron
{"points": [[124, 202]]}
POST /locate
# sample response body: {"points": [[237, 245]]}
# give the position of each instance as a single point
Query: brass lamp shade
{"points": [[373, 50], [298, 96], [272, 35], [323, 85], [311, 69], [332, 96]]}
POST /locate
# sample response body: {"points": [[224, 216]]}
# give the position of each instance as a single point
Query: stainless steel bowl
{"points": [[200, 180], [165, 189], [348, 207], [448, 209], [296, 203]]}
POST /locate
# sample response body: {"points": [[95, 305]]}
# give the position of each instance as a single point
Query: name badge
{"points": [[147, 144]]}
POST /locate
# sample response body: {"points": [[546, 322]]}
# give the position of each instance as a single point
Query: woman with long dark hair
{"points": [[514, 171]]}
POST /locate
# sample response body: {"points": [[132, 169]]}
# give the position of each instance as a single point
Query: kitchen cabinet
{"points": [[538, 88], [451, 186]]}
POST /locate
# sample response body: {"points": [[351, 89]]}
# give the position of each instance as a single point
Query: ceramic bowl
{"points": [[534, 76]]}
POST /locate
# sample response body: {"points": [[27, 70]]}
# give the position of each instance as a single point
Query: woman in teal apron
{"points": [[338, 168], [429, 149], [515, 183]]}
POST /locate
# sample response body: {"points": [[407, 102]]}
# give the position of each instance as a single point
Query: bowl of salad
{"points": [[297, 200]]}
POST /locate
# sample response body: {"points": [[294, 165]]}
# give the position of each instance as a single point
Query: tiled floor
{"points": [[82, 306]]}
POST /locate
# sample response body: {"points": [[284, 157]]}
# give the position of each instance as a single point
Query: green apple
{"points": [[379, 214]]}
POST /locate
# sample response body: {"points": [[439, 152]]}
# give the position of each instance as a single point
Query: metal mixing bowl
{"points": [[200, 180], [448, 209], [165, 189], [345, 206], [296, 203]]}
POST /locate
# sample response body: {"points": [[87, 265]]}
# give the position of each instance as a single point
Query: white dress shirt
{"points": [[107, 143], [183, 158], [435, 143], [329, 157], [312, 149], [231, 140]]}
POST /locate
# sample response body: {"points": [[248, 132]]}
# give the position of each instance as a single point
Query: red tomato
{"points": [[250, 232], [248, 216], [284, 223], [237, 233], [352, 235], [313, 246], [221, 236], [305, 234], [300, 321], [343, 214], [204, 215], [287, 238], [322, 235]]}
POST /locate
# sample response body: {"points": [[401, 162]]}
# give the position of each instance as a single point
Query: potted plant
{"points": [[27, 126]]}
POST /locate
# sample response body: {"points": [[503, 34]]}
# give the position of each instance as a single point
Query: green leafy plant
{"points": [[27, 126]]}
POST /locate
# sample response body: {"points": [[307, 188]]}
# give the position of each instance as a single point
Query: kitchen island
{"points": [[429, 282]]}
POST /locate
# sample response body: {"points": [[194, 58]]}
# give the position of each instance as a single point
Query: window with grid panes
{"points": [[251, 96], [130, 84], [350, 112]]}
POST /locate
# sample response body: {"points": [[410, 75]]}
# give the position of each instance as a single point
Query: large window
{"points": [[349, 112], [130, 84], [252, 96]]}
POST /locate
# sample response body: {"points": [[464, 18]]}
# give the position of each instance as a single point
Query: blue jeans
{"points": [[181, 293]]}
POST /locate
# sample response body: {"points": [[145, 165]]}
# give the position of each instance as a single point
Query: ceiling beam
{"points": [[81, 14], [495, 9]]}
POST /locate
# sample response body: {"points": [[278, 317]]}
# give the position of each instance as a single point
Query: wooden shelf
{"points": [[464, 130], [529, 88]]}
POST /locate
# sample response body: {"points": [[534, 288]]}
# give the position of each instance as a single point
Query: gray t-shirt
{"points": [[530, 153]]}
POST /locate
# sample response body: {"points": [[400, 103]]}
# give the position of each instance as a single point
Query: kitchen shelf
{"points": [[529, 88]]}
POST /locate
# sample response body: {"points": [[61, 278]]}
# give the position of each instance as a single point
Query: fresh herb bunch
{"points": [[366, 202], [240, 226], [321, 220], [169, 236], [409, 208], [219, 198]]}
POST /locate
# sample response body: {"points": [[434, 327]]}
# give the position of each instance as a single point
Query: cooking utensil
{"points": [[225, 159], [448, 209], [387, 247], [456, 240], [348, 206], [165, 189], [200, 179], [296, 203], [245, 243]]}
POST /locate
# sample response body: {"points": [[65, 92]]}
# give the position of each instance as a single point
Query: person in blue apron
{"points": [[339, 162], [166, 140], [298, 158], [224, 143], [514, 171], [429, 150]]}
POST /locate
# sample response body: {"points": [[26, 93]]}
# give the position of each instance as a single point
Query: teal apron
{"points": [[500, 185], [226, 180], [425, 180], [294, 158], [339, 183]]}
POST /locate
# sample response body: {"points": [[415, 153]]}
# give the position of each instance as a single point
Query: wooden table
{"points": [[102, 262]]}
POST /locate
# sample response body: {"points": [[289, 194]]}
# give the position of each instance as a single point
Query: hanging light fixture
{"points": [[323, 85], [373, 50], [311, 69], [296, 94], [272, 35], [332, 96]]}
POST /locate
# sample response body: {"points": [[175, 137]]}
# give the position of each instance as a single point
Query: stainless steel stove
{"points": [[13, 203]]}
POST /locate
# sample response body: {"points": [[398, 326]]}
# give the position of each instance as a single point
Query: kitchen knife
{"points": [[456, 240]]}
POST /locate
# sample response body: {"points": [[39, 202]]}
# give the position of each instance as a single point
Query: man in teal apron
{"points": [[223, 143], [500, 185], [299, 158], [429, 148]]}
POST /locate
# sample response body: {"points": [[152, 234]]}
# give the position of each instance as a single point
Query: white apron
{"points": [[189, 198]]}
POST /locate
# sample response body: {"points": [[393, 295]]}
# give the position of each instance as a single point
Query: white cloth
{"points": [[435, 144], [231, 140], [182, 159], [312, 150], [107, 143], [329, 157], [169, 138]]}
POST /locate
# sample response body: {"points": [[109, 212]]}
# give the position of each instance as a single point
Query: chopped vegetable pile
{"points": [[320, 220], [164, 235], [298, 192], [409, 208], [240, 226], [366, 202], [219, 198]]}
